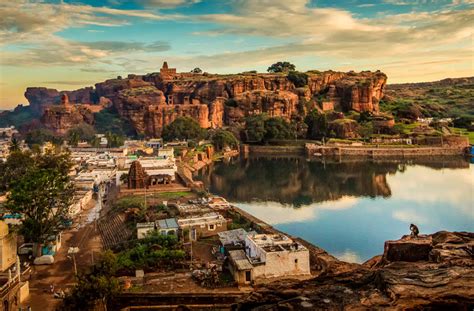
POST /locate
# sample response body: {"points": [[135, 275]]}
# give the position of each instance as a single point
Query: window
{"points": [[296, 260], [248, 276], [212, 227]]}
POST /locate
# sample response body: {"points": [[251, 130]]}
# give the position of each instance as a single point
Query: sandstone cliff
{"points": [[432, 272], [151, 101]]}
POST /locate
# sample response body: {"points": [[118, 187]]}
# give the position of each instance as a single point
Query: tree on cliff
{"points": [[196, 70], [281, 67], [41, 191], [299, 79], [222, 139], [183, 128]]}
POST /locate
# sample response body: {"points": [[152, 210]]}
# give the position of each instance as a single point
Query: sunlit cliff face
{"points": [[70, 44]]}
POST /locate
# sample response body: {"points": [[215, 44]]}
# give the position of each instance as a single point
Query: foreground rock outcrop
{"points": [[434, 272], [151, 101]]}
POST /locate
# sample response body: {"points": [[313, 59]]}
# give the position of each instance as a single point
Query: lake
{"points": [[349, 207]]}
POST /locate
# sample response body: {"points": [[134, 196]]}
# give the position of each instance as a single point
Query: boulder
{"points": [[408, 249]]}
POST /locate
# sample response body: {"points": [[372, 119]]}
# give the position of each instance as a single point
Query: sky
{"points": [[70, 44]]}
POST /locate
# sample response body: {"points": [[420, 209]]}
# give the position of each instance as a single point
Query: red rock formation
{"points": [[60, 118], [152, 101]]}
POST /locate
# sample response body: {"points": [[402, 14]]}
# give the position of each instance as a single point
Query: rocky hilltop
{"points": [[431, 272], [152, 101]]}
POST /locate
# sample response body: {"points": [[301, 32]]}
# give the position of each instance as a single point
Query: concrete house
{"points": [[268, 256], [195, 227], [144, 228]]}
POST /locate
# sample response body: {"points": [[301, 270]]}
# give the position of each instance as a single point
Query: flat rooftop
{"points": [[235, 237], [275, 243], [201, 219]]}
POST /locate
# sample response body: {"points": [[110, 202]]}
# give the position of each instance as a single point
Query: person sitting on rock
{"points": [[414, 230]]}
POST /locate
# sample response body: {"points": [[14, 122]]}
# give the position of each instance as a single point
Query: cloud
{"points": [[121, 46], [424, 185], [166, 4], [409, 216], [24, 21], [276, 213], [349, 256], [63, 52]]}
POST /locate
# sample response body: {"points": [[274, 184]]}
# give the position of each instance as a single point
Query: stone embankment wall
{"points": [[312, 149], [272, 150]]}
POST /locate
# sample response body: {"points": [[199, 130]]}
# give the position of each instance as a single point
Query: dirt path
{"points": [[61, 274]]}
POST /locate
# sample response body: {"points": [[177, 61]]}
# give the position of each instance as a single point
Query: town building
{"points": [[201, 226], [234, 239], [144, 228], [167, 226], [268, 256], [13, 291]]}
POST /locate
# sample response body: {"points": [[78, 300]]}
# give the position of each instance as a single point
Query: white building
{"points": [[269, 256]]}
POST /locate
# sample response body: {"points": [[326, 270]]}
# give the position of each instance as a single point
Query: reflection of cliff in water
{"points": [[299, 182]]}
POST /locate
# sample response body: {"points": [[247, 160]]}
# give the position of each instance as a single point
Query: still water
{"points": [[349, 208]]}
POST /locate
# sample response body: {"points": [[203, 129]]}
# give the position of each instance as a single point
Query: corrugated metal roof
{"points": [[169, 223]]}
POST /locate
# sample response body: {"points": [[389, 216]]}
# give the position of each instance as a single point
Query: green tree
{"points": [[222, 139], [183, 128], [16, 165], [196, 70], [281, 67], [43, 197], [39, 189], [278, 128], [299, 79], [317, 125], [95, 142], [73, 139], [114, 140], [81, 132], [41, 136], [97, 285], [14, 145], [255, 128], [109, 120]]}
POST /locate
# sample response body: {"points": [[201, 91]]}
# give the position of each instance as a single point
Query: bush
{"points": [[231, 103], [299, 79]]}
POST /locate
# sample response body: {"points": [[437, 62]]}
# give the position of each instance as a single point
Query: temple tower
{"points": [[137, 177], [167, 73]]}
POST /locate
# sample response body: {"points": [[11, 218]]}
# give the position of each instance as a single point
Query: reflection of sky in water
{"points": [[355, 228]]}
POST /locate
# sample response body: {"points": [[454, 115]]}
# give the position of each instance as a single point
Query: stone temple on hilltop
{"points": [[167, 73]]}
